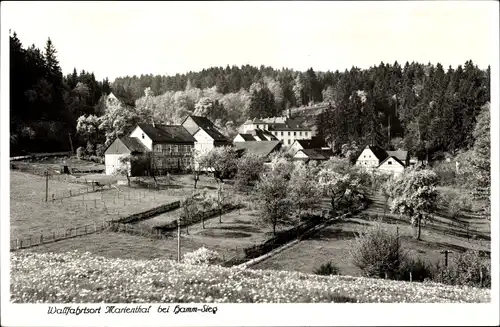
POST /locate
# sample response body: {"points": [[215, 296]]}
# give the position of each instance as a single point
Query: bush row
{"points": [[150, 213]]}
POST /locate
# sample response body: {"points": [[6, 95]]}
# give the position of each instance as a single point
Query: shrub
{"points": [[99, 150], [90, 149], [468, 269], [81, 152], [420, 270], [327, 269], [202, 256], [377, 252]]}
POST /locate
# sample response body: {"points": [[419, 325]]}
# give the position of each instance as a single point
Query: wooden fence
{"points": [[62, 234], [57, 235]]}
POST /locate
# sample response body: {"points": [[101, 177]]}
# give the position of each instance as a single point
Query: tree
{"points": [[220, 160], [125, 167], [481, 158], [337, 185], [304, 190], [414, 196], [272, 197], [249, 167]]}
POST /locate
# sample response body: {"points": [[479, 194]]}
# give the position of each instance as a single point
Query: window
{"points": [[306, 133], [188, 148], [176, 148], [143, 135], [281, 133], [364, 156], [157, 147], [300, 133], [294, 133], [288, 141], [288, 133], [389, 162]]}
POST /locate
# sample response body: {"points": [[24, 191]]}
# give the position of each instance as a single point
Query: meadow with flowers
{"points": [[84, 278]]}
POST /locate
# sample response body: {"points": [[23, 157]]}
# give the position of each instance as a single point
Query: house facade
{"points": [[205, 133], [392, 165], [283, 128], [371, 156], [375, 158], [170, 147], [120, 148]]}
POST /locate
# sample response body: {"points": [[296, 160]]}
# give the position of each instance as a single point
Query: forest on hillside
{"points": [[423, 108], [44, 104]]}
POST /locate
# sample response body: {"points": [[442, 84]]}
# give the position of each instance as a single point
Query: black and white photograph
{"points": [[169, 160]]}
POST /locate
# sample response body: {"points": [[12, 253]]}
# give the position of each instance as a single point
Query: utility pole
{"points": [[46, 185], [446, 252], [179, 239], [71, 144]]}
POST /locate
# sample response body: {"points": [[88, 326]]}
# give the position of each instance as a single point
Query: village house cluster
{"points": [[172, 146]]}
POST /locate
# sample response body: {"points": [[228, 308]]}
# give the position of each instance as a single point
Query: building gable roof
{"points": [[400, 154], [262, 148], [264, 135], [395, 159], [317, 154], [205, 124], [313, 143], [120, 144], [247, 137], [380, 153], [167, 133]]}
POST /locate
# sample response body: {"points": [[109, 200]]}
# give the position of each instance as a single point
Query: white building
{"points": [[284, 129]]}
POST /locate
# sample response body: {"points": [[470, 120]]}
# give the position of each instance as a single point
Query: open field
{"points": [[333, 242], [51, 278], [228, 238], [30, 215]]}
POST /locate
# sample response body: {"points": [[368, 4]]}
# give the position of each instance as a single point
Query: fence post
{"points": [[41, 238], [30, 240], [95, 203], [53, 235], [52, 197], [21, 244], [17, 243]]}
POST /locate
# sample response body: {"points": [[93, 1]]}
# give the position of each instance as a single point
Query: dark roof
{"points": [[264, 135], [205, 124], [263, 147], [133, 144], [400, 154], [380, 153], [247, 137], [313, 143], [317, 154], [167, 133], [395, 159]]}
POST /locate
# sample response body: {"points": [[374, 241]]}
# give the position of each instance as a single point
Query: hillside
{"points": [[83, 278]]}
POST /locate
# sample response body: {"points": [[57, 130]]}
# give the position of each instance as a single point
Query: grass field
{"points": [[228, 238], [333, 242], [30, 215], [52, 278]]}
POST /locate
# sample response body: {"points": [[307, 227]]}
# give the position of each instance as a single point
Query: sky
{"points": [[115, 39]]}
